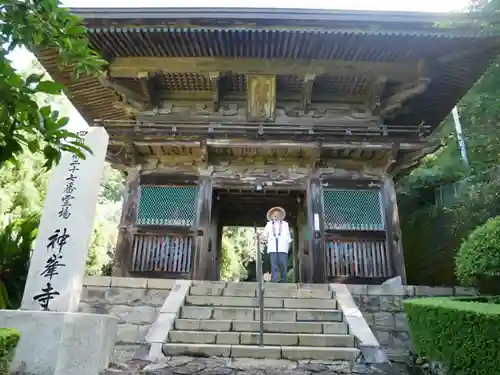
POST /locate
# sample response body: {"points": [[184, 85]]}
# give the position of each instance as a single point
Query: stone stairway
{"points": [[300, 322]]}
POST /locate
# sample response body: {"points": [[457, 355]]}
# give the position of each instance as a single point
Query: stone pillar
{"points": [[125, 240], [315, 223], [58, 263], [393, 229], [204, 260], [55, 339]]}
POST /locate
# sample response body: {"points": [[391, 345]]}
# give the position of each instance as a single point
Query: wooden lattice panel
{"points": [[167, 205], [238, 82], [185, 82], [353, 210], [289, 83]]}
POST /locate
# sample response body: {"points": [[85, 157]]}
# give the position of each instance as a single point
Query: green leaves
{"points": [[460, 333], [479, 255], [23, 124], [16, 241], [49, 87]]}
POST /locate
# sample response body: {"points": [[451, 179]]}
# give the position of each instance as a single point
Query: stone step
{"points": [[271, 290], [276, 302], [252, 338], [338, 328], [253, 351], [270, 314]]}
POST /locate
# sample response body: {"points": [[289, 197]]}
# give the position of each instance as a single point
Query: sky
{"points": [[21, 58]]}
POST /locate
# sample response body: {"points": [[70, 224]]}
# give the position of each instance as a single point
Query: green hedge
{"points": [[461, 333], [9, 338]]}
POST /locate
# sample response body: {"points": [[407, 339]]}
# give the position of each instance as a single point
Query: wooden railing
{"points": [[358, 257], [168, 253]]}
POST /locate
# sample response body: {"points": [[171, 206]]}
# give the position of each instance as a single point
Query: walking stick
{"points": [[260, 281]]}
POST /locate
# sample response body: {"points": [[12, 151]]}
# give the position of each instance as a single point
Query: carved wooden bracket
{"points": [[128, 97], [145, 80], [405, 92], [215, 81], [376, 94], [307, 92], [392, 156]]}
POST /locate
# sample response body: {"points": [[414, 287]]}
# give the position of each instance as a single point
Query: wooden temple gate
{"points": [[174, 231], [216, 115]]}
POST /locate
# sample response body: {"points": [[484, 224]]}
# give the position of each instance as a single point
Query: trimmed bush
{"points": [[9, 338], [460, 333], [478, 261]]}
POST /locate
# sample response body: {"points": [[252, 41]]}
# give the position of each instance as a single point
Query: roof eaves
{"points": [[263, 13], [435, 32]]}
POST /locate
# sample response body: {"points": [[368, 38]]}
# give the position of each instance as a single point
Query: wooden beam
{"points": [[307, 91], [180, 143], [215, 81], [132, 66], [310, 145], [256, 144], [261, 100], [405, 92]]}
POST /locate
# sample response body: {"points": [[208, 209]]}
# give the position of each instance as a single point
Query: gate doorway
{"points": [[234, 214]]}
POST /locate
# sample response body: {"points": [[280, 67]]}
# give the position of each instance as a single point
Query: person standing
{"points": [[278, 237]]}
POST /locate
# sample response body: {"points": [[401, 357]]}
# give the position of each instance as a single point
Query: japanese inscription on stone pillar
{"points": [[57, 266]]}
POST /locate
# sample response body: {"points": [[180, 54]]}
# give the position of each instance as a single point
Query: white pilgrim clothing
{"points": [[277, 229]]}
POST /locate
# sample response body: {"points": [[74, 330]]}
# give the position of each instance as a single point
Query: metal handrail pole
{"points": [[260, 280]]}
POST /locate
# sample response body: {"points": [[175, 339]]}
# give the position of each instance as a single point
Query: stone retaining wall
{"points": [[383, 310], [135, 301]]}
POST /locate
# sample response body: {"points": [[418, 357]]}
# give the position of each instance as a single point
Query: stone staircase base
{"points": [[300, 322]]}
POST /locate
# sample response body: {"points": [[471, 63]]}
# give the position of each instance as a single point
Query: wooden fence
{"points": [[358, 257], [171, 253]]}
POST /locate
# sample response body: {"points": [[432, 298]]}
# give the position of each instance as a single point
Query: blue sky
{"points": [[21, 58]]}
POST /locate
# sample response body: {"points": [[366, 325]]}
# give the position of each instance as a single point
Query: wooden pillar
{"points": [[203, 258], [393, 229], [304, 264], [218, 257], [213, 233], [296, 252], [125, 241], [315, 223]]}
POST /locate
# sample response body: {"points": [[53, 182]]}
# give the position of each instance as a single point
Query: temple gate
{"points": [[217, 116]]}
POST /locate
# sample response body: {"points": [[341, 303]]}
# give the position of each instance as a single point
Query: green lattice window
{"points": [[353, 209], [167, 205]]}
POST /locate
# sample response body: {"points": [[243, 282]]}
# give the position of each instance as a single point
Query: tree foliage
{"points": [[433, 229], [24, 187], [24, 123], [34, 132], [238, 250], [16, 240]]}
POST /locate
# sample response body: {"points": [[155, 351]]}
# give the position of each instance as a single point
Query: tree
{"points": [[24, 123], [238, 249]]}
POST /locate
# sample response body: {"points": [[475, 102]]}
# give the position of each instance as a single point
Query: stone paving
{"points": [[227, 366]]}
